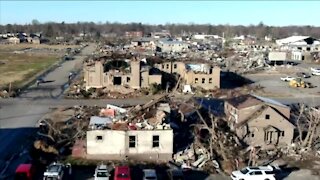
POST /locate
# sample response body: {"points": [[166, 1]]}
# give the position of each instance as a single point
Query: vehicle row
{"points": [[60, 171]]}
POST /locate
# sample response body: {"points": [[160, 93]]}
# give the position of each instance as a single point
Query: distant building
{"points": [[205, 36], [144, 42], [161, 34], [133, 34], [196, 75], [276, 57], [171, 46], [299, 43]]}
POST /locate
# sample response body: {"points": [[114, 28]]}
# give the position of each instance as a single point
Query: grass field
{"points": [[18, 68], [12, 47]]}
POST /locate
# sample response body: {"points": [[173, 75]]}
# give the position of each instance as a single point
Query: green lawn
{"points": [[18, 68]]}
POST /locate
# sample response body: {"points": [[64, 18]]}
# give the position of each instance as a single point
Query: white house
{"points": [[204, 36], [147, 145], [171, 46]]}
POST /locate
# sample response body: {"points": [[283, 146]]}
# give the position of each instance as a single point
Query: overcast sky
{"points": [[160, 12]]}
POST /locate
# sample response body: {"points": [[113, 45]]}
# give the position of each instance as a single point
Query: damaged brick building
{"points": [[135, 76], [196, 75]]}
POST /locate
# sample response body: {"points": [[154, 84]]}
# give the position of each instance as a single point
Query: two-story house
{"points": [[259, 121]]}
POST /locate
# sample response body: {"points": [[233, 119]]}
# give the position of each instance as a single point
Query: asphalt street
{"points": [[18, 116]]}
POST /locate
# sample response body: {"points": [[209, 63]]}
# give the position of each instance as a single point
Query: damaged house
{"points": [[168, 46], [144, 42], [259, 121], [149, 145], [195, 75], [136, 76], [122, 134]]}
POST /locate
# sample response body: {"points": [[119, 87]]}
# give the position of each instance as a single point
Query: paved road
{"points": [[19, 116]]}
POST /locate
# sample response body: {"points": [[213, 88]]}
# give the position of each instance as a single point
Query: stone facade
{"points": [[138, 77], [203, 75]]}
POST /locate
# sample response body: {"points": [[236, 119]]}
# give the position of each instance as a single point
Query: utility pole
{"points": [[223, 40], [10, 88]]}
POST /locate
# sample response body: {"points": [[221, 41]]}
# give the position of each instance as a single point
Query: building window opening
{"points": [[196, 80], [267, 116], [99, 138], [175, 66], [128, 79], [116, 80], [203, 80], [155, 141], [167, 66], [210, 80], [132, 141]]}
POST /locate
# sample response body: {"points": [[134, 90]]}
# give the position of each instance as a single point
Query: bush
{"points": [[155, 88], [86, 94]]}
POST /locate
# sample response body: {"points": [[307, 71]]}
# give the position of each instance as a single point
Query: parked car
{"points": [[315, 73], [122, 173], [149, 174], [288, 78], [303, 75], [256, 173], [175, 174], [315, 69], [25, 172], [101, 173], [56, 171]]}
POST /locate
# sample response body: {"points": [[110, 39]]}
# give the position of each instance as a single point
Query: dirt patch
{"points": [[13, 76]]}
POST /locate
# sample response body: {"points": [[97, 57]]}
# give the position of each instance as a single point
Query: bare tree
{"points": [[308, 122]]}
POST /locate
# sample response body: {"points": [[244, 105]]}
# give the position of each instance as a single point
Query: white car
{"points": [[56, 171], [288, 78], [315, 69], [101, 173], [149, 174], [256, 173], [315, 73]]}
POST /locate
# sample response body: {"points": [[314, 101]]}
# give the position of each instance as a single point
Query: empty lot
{"points": [[16, 68], [19, 62], [274, 87]]}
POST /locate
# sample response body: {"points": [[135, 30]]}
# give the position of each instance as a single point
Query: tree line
{"points": [[53, 29]]}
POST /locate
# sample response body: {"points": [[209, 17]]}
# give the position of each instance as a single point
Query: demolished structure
{"points": [[301, 48], [196, 75], [144, 144], [136, 76], [259, 121], [141, 133]]}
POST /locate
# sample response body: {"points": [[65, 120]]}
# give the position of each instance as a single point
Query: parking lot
{"points": [[87, 172], [273, 86]]}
